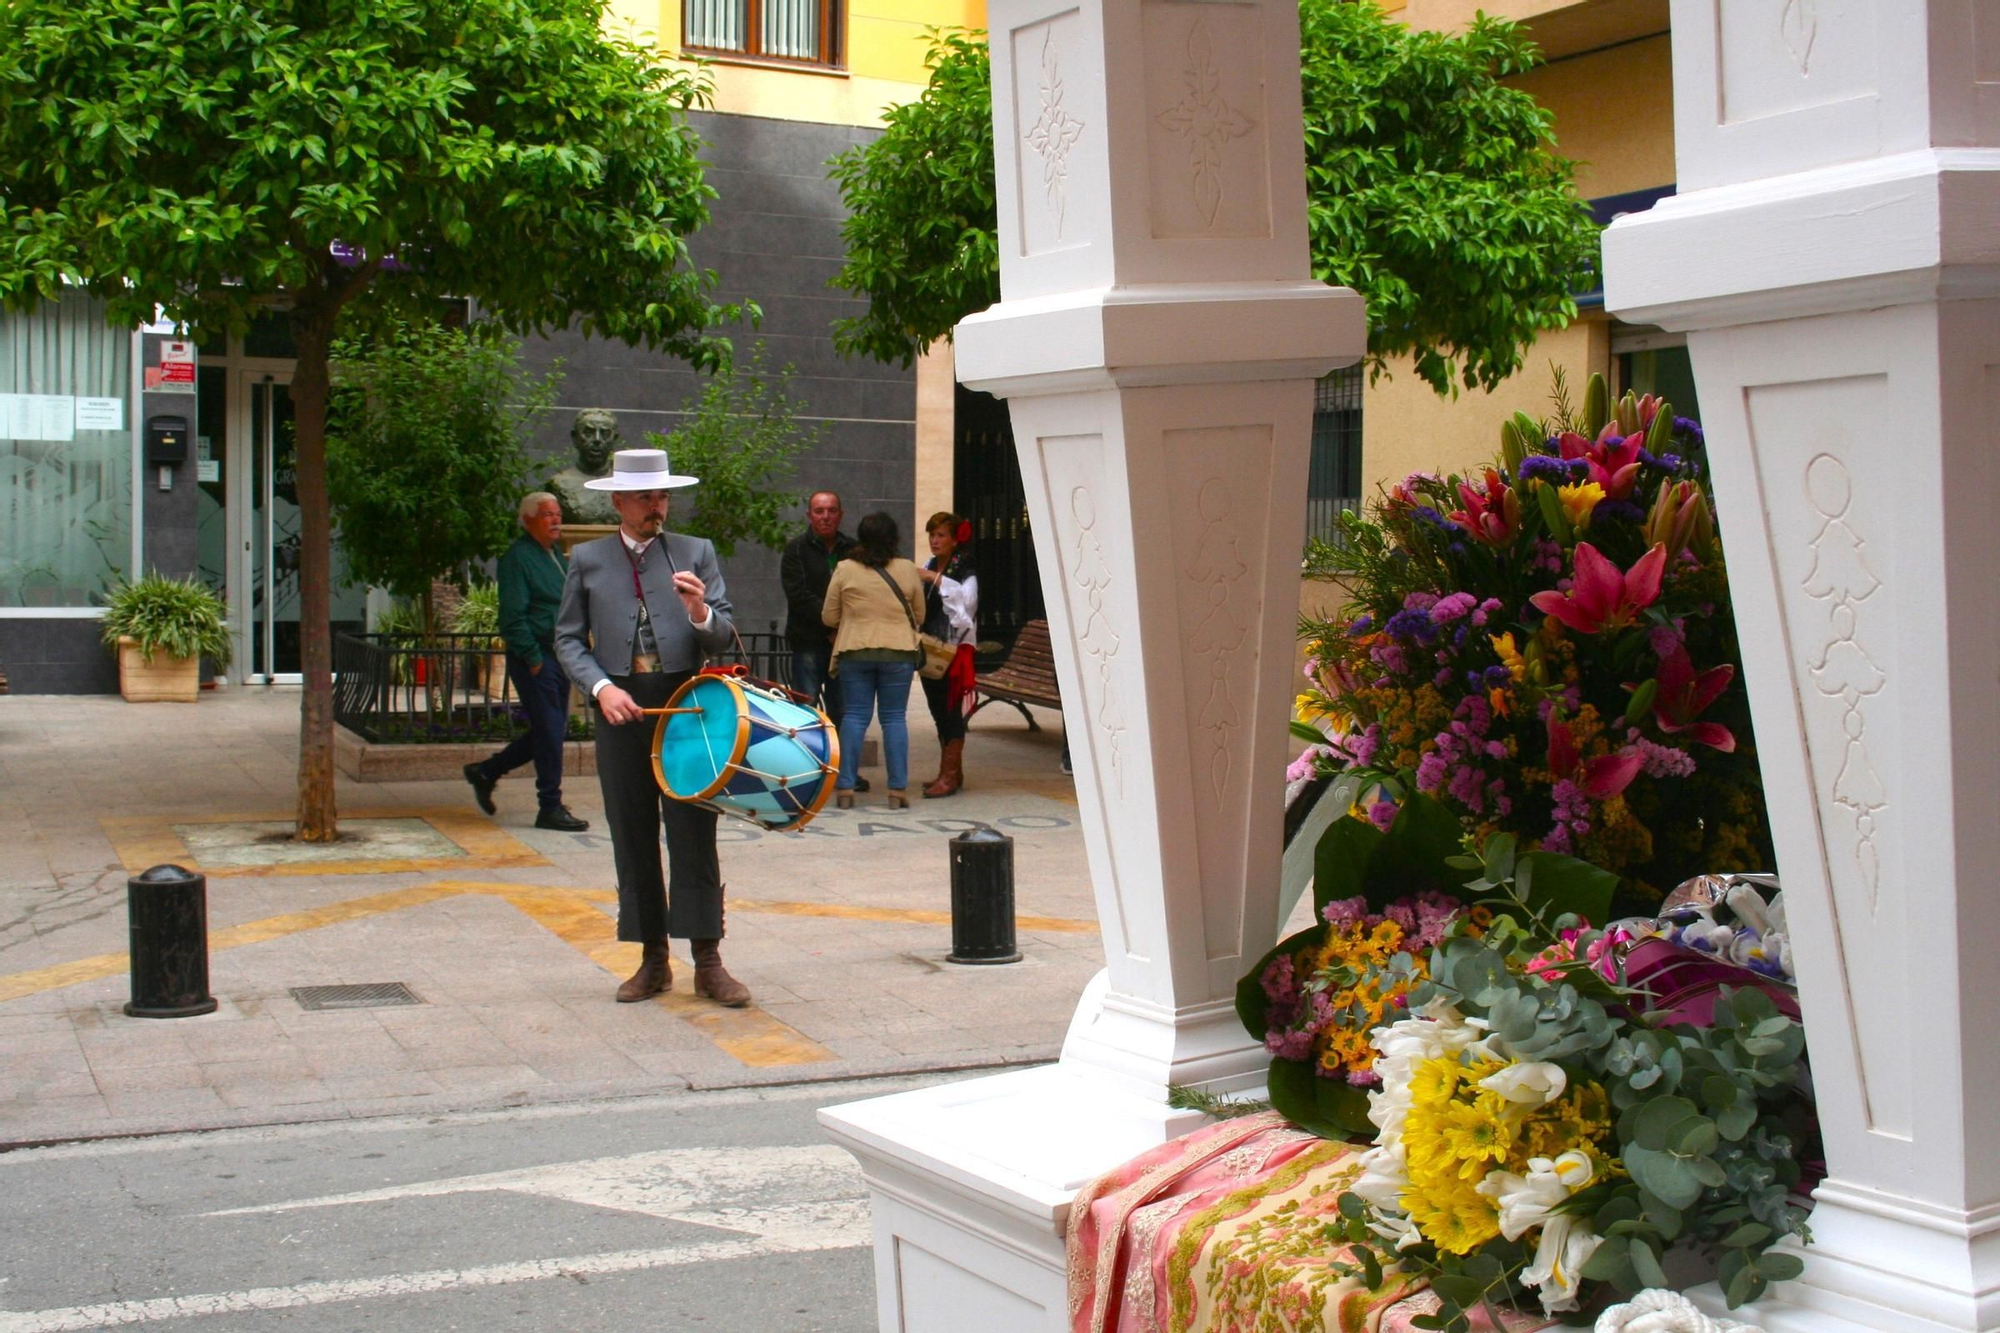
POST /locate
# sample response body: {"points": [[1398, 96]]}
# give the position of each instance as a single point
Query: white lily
{"points": [[1526, 1202], [1566, 1246], [1532, 1084]]}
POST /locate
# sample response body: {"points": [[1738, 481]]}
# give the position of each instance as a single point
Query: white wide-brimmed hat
{"points": [[640, 470]]}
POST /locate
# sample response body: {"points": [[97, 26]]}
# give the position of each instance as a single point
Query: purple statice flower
{"points": [[1495, 677], [1548, 555], [1345, 911], [1496, 749], [1302, 767], [1443, 677], [1552, 470], [1571, 815], [1412, 623], [1447, 609], [1687, 428], [1434, 518], [1431, 771], [1360, 625], [1289, 1045], [1404, 913], [1617, 511], [1362, 746], [1485, 611], [1663, 639], [1467, 789], [1435, 912], [1662, 761], [1419, 601], [1390, 657], [1382, 814], [1281, 982]]}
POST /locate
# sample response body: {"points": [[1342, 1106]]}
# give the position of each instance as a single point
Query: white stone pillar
{"points": [[1834, 255], [1157, 339]]}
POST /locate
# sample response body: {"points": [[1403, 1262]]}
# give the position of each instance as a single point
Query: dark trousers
{"points": [[636, 809], [544, 697], [812, 676], [950, 721]]}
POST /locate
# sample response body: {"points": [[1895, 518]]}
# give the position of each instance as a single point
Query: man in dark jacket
{"points": [[805, 571], [532, 571]]}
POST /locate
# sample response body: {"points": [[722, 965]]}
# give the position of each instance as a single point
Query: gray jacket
{"points": [[600, 613]]}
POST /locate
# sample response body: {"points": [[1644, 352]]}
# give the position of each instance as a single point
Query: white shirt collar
{"points": [[636, 548]]}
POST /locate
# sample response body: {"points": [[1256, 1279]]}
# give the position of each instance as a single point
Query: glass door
{"points": [[271, 536]]}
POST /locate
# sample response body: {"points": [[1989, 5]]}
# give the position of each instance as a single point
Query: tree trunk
{"points": [[313, 329]]}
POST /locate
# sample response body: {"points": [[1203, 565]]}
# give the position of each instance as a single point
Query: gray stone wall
{"points": [[773, 237]]}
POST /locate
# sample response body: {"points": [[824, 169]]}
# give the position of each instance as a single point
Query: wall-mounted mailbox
{"points": [[166, 439]]}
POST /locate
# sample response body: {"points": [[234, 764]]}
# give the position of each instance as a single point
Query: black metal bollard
{"points": [[982, 898], [167, 909]]}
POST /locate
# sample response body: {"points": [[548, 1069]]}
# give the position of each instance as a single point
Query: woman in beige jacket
{"points": [[874, 603]]}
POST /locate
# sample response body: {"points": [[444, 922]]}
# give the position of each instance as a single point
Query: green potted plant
{"points": [[478, 614], [161, 628]]}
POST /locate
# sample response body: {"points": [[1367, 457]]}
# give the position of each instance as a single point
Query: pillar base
{"points": [[970, 1185]]}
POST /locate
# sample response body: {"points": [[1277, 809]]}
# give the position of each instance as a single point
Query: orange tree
{"points": [[342, 162]]}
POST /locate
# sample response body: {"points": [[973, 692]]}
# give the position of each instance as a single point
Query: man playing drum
{"points": [[641, 610]]}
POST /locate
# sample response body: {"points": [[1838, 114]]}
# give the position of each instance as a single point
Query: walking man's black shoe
{"points": [[482, 788], [860, 783], [559, 818]]}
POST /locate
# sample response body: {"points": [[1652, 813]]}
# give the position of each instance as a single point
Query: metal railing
{"points": [[445, 688], [1323, 516]]}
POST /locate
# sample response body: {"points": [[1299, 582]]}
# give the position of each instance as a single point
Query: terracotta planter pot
{"points": [[163, 680]]}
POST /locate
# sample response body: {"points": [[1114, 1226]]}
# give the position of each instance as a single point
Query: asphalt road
{"points": [[723, 1210]]}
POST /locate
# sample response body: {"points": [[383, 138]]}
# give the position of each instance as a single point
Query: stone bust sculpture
{"points": [[595, 436]]}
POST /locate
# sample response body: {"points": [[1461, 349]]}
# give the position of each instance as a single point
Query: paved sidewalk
{"points": [[503, 932]]}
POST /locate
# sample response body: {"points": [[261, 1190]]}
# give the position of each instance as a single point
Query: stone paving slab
{"points": [[841, 933]]}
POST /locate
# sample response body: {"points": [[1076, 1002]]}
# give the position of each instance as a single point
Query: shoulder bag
{"points": [[937, 653]]}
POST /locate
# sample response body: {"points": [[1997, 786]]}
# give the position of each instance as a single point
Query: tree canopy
{"points": [[426, 452], [213, 157], [1433, 189]]}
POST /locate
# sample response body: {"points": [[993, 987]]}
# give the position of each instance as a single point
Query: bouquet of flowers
{"points": [[1547, 1118], [1546, 648]]}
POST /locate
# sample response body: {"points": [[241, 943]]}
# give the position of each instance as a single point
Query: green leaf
{"points": [[1340, 861], [1778, 1266], [1330, 1108], [1653, 1122], [1646, 1264], [1661, 1174], [1412, 855], [1564, 884]]}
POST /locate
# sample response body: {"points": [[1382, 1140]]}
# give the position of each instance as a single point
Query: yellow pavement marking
{"points": [[150, 840], [915, 916]]}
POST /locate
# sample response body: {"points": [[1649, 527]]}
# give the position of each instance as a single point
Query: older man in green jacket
{"points": [[532, 572]]}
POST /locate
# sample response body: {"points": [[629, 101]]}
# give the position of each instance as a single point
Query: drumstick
{"points": [[667, 712]]}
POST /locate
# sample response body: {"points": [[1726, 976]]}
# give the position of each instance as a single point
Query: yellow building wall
{"points": [[1406, 428], [886, 42], [1613, 113]]}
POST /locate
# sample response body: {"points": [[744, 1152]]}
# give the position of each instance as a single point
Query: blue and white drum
{"points": [[746, 750]]}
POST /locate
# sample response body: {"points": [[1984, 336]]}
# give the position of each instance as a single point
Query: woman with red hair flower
{"points": [[951, 601]]}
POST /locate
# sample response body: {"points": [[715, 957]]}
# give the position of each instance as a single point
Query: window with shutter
{"points": [[805, 31]]}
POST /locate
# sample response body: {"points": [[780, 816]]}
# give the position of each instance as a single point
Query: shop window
{"points": [[1333, 481], [807, 31], [65, 455], [1661, 370]]}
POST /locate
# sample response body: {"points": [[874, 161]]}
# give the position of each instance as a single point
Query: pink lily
{"points": [[1600, 597], [1613, 462], [1684, 695], [1600, 778], [1493, 515]]}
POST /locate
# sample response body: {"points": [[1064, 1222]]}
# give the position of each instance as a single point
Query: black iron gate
{"points": [[986, 488]]}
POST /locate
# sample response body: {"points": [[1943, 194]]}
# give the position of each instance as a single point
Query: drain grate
{"points": [[372, 995]]}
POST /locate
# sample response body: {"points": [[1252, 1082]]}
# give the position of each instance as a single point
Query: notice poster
{"points": [[37, 416], [100, 414], [175, 373]]}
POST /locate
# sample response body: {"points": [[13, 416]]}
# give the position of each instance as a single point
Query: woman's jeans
{"points": [[865, 687]]}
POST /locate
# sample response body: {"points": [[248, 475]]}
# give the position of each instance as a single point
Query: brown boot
{"points": [[951, 770], [655, 974], [712, 979]]}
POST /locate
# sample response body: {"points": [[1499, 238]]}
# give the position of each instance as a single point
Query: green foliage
{"points": [[208, 156], [920, 230], [1432, 189], [173, 617], [1211, 1104], [478, 611], [740, 439], [425, 451]]}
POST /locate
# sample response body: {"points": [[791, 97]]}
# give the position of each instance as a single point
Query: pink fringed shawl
{"points": [[1221, 1231]]}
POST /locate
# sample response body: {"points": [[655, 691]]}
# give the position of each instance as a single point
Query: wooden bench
{"points": [[1027, 675]]}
